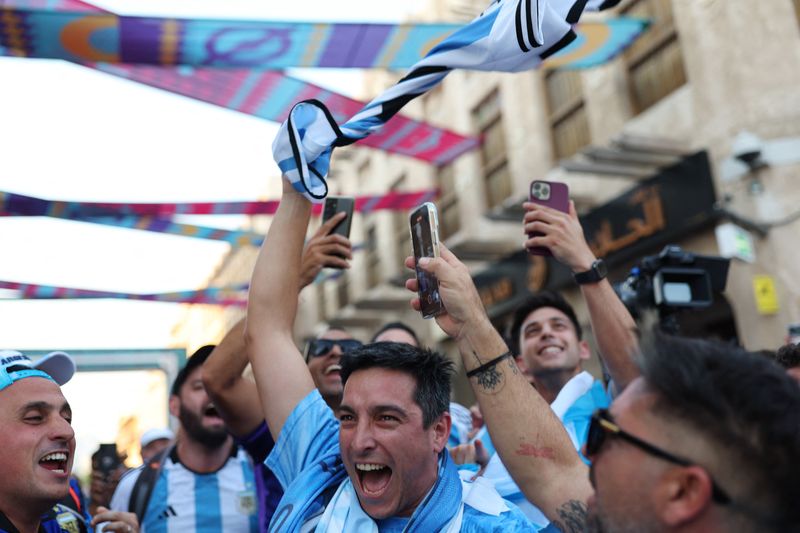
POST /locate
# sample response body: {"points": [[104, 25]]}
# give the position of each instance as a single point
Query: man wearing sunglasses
{"points": [[706, 438], [323, 357]]}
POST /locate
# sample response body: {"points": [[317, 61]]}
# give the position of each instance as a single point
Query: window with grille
{"points": [[569, 123], [449, 219], [488, 120], [654, 60], [373, 258]]}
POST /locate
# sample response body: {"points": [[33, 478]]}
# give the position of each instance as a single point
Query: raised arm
{"points": [[237, 397], [612, 324], [281, 375], [531, 441]]}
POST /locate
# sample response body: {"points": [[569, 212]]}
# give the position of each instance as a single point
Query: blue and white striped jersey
{"points": [[187, 502]]}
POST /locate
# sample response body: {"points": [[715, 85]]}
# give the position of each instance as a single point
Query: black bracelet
{"points": [[485, 366]]}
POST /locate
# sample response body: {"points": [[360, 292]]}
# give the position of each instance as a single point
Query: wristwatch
{"points": [[595, 273]]}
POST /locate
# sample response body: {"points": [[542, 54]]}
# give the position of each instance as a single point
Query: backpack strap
{"points": [[145, 483]]}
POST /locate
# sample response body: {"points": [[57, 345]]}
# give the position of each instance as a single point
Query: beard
{"points": [[192, 423]]}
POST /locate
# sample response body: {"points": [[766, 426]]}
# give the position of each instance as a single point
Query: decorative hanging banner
{"points": [[212, 295], [104, 37], [19, 205], [270, 95], [12, 204], [510, 36]]}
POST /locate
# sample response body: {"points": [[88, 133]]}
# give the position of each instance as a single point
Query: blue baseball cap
{"points": [[58, 367]]}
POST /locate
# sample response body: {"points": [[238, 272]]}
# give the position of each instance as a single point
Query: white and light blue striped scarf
{"points": [[509, 36]]}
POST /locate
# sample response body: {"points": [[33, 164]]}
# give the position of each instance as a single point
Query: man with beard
{"points": [[204, 482], [704, 439]]}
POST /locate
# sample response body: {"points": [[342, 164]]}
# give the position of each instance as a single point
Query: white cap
{"points": [[155, 434], [59, 365]]}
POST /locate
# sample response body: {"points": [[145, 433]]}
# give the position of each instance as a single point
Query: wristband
{"points": [[486, 366]]}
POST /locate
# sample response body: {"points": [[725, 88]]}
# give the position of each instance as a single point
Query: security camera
{"points": [[747, 148]]}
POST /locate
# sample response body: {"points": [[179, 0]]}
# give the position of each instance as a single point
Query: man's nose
{"points": [[61, 429], [363, 439]]}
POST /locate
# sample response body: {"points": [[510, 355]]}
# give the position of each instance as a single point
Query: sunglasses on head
{"points": [[602, 426], [320, 347]]}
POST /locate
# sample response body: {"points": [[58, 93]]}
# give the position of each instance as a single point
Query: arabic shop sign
{"points": [[663, 208]]}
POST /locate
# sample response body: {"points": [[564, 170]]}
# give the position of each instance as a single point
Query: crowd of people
{"points": [[345, 436]]}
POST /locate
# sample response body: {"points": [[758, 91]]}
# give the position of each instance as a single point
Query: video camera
{"points": [[672, 281]]}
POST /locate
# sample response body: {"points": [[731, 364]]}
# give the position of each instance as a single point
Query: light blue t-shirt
{"points": [[311, 433]]}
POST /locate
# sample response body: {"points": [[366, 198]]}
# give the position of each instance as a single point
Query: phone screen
{"points": [[426, 245]]}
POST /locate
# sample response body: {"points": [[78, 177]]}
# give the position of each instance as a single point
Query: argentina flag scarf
{"points": [[509, 36], [315, 488]]}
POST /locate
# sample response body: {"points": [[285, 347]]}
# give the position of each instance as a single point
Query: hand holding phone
{"points": [[424, 225], [339, 204], [552, 194]]}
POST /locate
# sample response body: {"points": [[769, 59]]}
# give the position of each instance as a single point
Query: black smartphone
{"points": [[107, 459], [424, 223], [338, 204]]}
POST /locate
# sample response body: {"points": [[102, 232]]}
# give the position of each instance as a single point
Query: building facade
{"points": [[676, 99]]}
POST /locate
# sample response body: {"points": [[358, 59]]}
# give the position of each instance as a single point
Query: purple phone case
{"points": [[559, 199]]}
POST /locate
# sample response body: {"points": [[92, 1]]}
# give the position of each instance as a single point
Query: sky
{"points": [[69, 133]]}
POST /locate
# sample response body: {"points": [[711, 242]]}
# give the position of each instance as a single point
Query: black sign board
{"points": [[657, 211]]}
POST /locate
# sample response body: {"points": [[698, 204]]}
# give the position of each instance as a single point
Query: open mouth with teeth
{"points": [[333, 368], [55, 462], [549, 351], [373, 478]]}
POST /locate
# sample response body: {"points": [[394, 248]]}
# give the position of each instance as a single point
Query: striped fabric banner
{"points": [[80, 35], [214, 295], [12, 204], [270, 95], [156, 217]]}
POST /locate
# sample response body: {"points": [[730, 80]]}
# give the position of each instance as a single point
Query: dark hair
{"points": [[788, 356], [396, 325], [195, 361], [745, 406], [537, 301], [431, 370]]}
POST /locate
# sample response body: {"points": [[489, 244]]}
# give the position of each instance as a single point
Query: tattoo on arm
{"points": [[572, 517], [490, 379]]}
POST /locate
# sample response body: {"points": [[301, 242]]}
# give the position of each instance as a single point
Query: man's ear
{"points": [[441, 431], [683, 494], [174, 405], [585, 353]]}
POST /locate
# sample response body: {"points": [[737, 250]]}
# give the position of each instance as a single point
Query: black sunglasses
{"points": [[602, 426], [320, 347]]}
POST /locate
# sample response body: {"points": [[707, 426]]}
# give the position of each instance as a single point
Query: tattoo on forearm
{"points": [[489, 379], [513, 366], [572, 517]]}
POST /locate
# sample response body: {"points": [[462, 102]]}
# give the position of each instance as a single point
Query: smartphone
{"points": [[424, 224], [552, 194], [107, 459], [338, 204]]}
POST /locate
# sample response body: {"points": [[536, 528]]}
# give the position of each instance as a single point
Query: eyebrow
{"points": [[45, 406], [376, 409]]}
